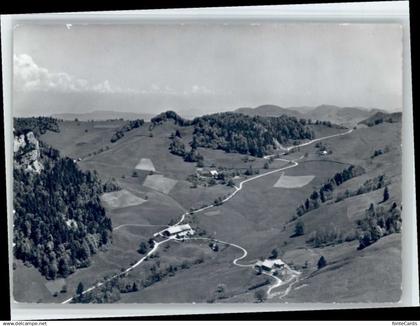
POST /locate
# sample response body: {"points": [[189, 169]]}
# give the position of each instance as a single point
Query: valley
{"points": [[248, 213]]}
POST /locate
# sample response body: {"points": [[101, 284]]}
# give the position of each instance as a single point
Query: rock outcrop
{"points": [[27, 153]]}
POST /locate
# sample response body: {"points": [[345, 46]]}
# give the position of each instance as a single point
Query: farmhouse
{"points": [[214, 173], [177, 230], [207, 173], [269, 264]]}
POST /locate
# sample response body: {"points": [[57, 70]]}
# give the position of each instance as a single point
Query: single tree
{"points": [[322, 262], [260, 295], [299, 228], [134, 288], [221, 291], [80, 290], [266, 165], [386, 194], [231, 183], [274, 254], [64, 289], [142, 248]]}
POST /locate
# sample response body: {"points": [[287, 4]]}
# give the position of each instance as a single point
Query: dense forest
{"points": [[58, 219], [125, 128], [256, 136]]}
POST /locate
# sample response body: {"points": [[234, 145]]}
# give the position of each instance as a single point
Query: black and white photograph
{"points": [[207, 162]]}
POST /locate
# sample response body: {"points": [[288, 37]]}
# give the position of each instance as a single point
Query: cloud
{"points": [[28, 76], [197, 89]]}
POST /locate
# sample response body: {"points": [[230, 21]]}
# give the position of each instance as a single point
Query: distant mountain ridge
{"points": [[103, 115], [268, 110], [340, 115]]}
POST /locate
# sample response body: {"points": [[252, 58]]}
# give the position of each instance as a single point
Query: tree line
{"points": [[325, 193], [369, 185], [125, 128], [38, 125]]}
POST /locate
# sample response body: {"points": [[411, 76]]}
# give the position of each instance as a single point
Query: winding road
{"points": [[245, 253]]}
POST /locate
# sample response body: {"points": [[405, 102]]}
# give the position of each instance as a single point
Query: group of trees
{"points": [[108, 292], [177, 147], [381, 117], [170, 115], [330, 235], [125, 128], [378, 221], [380, 151], [325, 193], [59, 221]]}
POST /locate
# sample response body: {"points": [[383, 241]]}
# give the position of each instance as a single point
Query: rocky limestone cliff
{"points": [[27, 153]]}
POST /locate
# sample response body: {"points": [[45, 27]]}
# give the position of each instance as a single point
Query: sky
{"points": [[198, 68]]}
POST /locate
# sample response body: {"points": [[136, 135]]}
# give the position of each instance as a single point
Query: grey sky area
{"points": [[203, 68]]}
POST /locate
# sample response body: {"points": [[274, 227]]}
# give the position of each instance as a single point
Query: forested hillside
{"points": [[237, 132], [58, 218]]}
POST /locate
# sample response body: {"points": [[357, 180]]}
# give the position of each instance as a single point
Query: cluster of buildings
{"points": [[269, 265]]}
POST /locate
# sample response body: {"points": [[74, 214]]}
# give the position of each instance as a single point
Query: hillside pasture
{"points": [[256, 216], [121, 198], [198, 197], [159, 209], [55, 286], [356, 276], [287, 181], [203, 279], [29, 285], [322, 131], [78, 139]]}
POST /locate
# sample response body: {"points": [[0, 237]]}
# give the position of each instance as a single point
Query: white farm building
{"points": [[177, 231]]}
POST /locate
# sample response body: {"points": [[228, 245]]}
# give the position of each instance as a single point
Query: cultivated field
{"points": [[145, 164], [286, 181], [121, 198], [159, 183]]}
